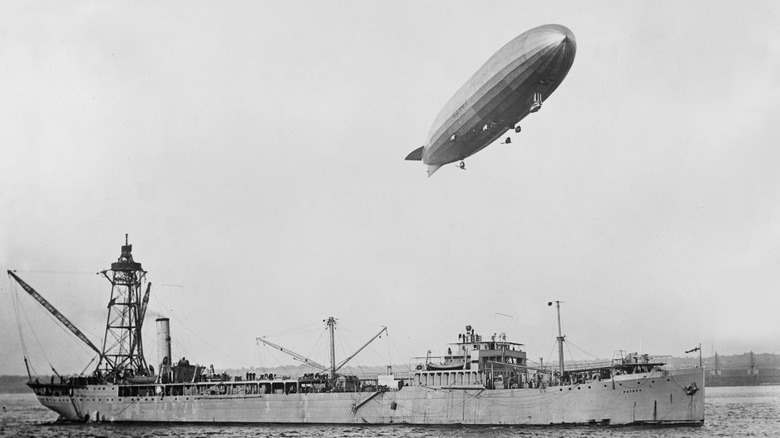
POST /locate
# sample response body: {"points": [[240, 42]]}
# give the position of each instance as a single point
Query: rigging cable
{"points": [[20, 310], [370, 346], [573, 360], [345, 352], [314, 351], [387, 344], [587, 362], [53, 272], [583, 351], [197, 336], [279, 364], [318, 344], [35, 336], [57, 322], [179, 348], [308, 327], [16, 304], [90, 363], [391, 342], [549, 357]]}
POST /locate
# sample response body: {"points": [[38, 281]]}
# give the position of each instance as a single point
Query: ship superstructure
{"points": [[479, 380]]}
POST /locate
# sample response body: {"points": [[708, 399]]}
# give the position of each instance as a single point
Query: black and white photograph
{"points": [[389, 218]]}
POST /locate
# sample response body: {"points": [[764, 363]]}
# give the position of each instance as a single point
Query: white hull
{"points": [[655, 398]]}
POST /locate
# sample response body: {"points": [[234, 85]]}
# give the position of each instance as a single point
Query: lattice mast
{"points": [[122, 344]]}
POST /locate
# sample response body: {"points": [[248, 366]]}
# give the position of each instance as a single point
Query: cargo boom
{"points": [[477, 381]]}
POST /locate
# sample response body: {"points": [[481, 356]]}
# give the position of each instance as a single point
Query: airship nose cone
{"points": [[568, 39], [556, 34], [558, 42]]}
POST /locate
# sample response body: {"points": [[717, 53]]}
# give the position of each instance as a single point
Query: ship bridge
{"points": [[495, 360]]}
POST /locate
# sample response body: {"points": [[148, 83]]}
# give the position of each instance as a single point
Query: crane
{"points": [[331, 323], [295, 355], [65, 321]]}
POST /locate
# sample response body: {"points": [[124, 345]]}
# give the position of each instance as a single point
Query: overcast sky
{"points": [[254, 153]]}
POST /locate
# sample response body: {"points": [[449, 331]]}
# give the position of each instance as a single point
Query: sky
{"points": [[253, 151]]}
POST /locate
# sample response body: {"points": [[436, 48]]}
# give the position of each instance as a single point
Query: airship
{"points": [[512, 84]]}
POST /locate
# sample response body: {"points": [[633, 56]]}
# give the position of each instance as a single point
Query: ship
{"points": [[478, 381], [752, 375]]}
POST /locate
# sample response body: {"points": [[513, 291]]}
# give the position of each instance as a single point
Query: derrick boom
{"points": [[144, 304], [344, 362], [296, 356], [65, 321], [141, 316]]}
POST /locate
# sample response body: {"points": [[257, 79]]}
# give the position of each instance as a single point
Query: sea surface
{"points": [[729, 412]]}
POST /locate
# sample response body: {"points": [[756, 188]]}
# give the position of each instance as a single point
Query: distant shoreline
{"points": [[14, 385], [17, 384]]}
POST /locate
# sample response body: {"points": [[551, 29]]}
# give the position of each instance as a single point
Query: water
{"points": [[729, 412]]}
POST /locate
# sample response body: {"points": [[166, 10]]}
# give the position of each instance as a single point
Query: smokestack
{"points": [[163, 343]]}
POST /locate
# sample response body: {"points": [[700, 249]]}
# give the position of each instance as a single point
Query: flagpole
{"points": [[699, 350]]}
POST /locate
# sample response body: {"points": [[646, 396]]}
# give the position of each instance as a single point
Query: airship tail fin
{"points": [[432, 168], [415, 155]]}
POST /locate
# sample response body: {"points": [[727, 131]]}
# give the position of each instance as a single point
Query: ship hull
{"points": [[651, 398]]}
